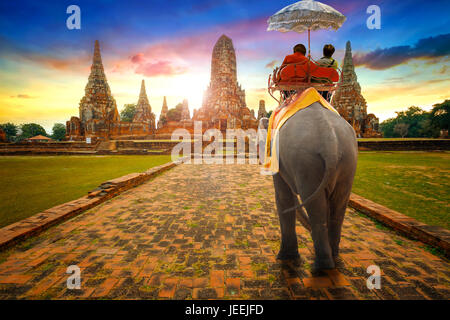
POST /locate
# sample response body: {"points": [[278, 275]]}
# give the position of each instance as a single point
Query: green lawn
{"points": [[416, 184], [32, 184]]}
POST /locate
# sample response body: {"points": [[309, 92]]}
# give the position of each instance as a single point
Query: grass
{"points": [[29, 185], [414, 183]]}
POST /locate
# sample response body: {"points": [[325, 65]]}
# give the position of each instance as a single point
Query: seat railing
{"points": [[301, 80]]}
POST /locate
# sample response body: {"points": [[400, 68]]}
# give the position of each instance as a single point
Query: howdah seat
{"points": [[300, 76]]}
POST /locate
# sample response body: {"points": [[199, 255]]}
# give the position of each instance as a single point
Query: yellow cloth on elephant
{"points": [[279, 117]]}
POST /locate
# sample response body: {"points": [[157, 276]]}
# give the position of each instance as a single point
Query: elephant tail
{"points": [[330, 158]]}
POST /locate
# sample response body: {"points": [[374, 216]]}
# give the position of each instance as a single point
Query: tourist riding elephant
{"points": [[317, 161]]}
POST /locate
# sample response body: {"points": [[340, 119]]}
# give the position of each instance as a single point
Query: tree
{"points": [[174, 114], [402, 129], [428, 129], [269, 113], [59, 131], [11, 130], [387, 127], [30, 130], [440, 115], [128, 112]]}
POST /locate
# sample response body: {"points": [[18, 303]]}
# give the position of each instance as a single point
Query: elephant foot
{"points": [[288, 256], [323, 264], [339, 262]]}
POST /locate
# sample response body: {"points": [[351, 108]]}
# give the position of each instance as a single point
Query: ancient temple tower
{"points": [[224, 100], [164, 109], [144, 112], [349, 101], [163, 115], [98, 110], [3, 136], [262, 109], [99, 118], [185, 114]]}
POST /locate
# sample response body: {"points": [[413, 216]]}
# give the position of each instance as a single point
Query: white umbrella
{"points": [[306, 15]]}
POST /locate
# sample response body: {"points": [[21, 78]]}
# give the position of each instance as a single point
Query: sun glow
{"points": [[190, 87]]}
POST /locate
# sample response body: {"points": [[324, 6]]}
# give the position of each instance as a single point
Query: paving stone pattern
{"points": [[210, 232]]}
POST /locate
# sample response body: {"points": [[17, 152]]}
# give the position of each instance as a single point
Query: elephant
{"points": [[317, 161]]}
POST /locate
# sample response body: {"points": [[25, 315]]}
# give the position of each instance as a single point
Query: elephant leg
{"points": [[285, 199], [338, 206], [319, 211]]}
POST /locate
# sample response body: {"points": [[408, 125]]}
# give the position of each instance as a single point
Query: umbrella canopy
{"points": [[304, 16]]}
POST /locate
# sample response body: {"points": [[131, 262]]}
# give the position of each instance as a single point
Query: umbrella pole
{"points": [[309, 55], [309, 43]]}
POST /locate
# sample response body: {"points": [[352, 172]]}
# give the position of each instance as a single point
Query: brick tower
{"points": [[224, 104], [98, 109], [144, 112], [349, 101]]}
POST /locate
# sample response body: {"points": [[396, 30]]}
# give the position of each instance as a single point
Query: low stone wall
{"points": [[432, 235], [405, 145], [46, 148], [136, 147], [149, 145], [39, 222]]}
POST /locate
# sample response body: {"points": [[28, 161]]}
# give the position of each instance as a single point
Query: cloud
{"points": [[159, 68], [22, 96], [21, 54], [138, 58], [271, 65], [193, 50], [427, 48]]}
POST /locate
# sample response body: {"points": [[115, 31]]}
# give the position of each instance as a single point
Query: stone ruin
{"points": [[98, 115], [350, 103], [3, 136], [163, 115], [262, 109], [223, 104]]}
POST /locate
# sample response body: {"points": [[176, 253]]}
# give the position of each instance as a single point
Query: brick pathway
{"points": [[208, 232]]}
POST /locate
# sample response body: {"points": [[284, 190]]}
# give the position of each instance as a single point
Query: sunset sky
{"points": [[44, 66]]}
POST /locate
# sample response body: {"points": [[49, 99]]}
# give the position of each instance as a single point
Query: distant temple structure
{"points": [[144, 112], [98, 115], [163, 115], [224, 104], [350, 103], [3, 136], [262, 113]]}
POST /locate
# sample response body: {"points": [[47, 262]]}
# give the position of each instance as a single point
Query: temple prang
{"points": [[144, 112], [350, 103], [224, 104], [262, 109], [163, 115], [98, 114]]}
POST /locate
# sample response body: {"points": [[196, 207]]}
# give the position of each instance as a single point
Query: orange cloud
{"points": [[22, 96], [272, 64], [159, 68]]}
